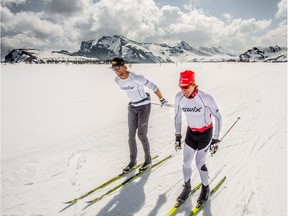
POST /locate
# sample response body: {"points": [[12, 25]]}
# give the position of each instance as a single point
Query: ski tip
{"points": [[223, 179], [70, 202]]}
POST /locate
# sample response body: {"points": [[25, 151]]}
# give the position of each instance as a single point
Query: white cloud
{"points": [[22, 22], [23, 40], [277, 36], [282, 9], [238, 34], [251, 25], [27, 29], [135, 21], [228, 17], [199, 29], [6, 15]]}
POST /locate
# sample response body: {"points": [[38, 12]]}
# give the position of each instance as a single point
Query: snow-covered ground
{"points": [[64, 132]]}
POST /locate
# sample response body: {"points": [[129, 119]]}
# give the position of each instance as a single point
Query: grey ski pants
{"points": [[138, 118]]}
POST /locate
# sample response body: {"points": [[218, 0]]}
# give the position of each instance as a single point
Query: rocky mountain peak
{"points": [[108, 47]]}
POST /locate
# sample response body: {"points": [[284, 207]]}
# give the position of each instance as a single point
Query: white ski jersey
{"points": [[134, 85], [198, 111]]}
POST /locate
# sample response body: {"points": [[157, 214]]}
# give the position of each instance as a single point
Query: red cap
{"points": [[186, 78]]}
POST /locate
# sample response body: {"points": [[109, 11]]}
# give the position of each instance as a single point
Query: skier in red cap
{"points": [[199, 107]]}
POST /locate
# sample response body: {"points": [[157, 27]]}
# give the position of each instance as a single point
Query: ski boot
{"points": [[129, 167], [185, 193], [147, 164], [204, 195]]}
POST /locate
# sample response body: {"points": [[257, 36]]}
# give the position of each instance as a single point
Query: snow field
{"points": [[64, 132]]}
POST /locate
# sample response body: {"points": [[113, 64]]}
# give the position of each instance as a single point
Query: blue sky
{"points": [[63, 24], [259, 9]]}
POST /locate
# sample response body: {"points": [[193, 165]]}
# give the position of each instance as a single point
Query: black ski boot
{"points": [[130, 166], [185, 192], [204, 195], [147, 164]]}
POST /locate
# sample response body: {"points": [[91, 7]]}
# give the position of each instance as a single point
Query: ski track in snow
{"points": [[64, 132]]}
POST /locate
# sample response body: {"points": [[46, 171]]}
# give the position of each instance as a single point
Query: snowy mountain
{"points": [[111, 46], [107, 47], [38, 56], [268, 54]]}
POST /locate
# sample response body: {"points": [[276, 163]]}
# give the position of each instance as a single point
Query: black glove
{"points": [[163, 102], [178, 138], [214, 146]]}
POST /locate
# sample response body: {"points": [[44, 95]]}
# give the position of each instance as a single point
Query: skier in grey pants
{"points": [[138, 110]]}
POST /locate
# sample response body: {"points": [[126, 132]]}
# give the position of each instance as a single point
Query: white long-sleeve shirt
{"points": [[198, 111], [134, 85]]}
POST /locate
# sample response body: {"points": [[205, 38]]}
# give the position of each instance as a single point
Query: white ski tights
{"points": [[200, 157]]}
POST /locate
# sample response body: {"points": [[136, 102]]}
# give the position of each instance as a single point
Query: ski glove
{"points": [[214, 146], [163, 102], [178, 138]]}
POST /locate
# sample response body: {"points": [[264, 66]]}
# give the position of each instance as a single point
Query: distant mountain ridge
{"points": [[108, 47], [267, 54], [111, 46]]}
